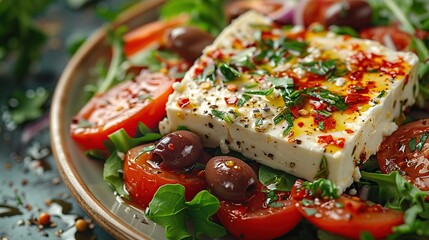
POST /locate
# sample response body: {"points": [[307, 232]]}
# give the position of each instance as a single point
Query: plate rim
{"points": [[73, 181]]}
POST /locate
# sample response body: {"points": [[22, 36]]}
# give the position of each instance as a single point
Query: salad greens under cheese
{"points": [[184, 185]]}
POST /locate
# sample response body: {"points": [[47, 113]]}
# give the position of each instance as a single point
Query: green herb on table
{"points": [[169, 209], [28, 105]]}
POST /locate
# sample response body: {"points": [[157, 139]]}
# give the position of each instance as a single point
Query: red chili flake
{"points": [[216, 54], [356, 75], [346, 37], [349, 131], [295, 111], [300, 124], [356, 98], [329, 140], [231, 100], [183, 102], [170, 146]]}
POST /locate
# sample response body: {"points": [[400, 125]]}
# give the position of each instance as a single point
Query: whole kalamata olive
{"points": [[188, 42], [353, 13], [231, 179], [178, 150]]}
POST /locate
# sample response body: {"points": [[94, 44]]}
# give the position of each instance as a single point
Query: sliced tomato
{"points": [[346, 216], [123, 106], [143, 36], [400, 39], [407, 151], [313, 11], [143, 177], [256, 220]]}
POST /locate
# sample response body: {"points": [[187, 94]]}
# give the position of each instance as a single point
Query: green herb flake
{"points": [[310, 211], [328, 97], [423, 139], [307, 202], [339, 205], [111, 173], [412, 144], [281, 82], [323, 171], [264, 92], [276, 204], [259, 122], [222, 115], [229, 72], [83, 123], [382, 93], [321, 126], [294, 46], [244, 98], [277, 179], [324, 113], [321, 68]]}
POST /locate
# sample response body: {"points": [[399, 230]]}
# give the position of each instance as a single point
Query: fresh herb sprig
{"points": [[322, 187]]}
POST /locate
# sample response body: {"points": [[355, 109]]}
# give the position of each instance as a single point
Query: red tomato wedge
{"points": [[346, 216], [382, 34], [407, 151], [143, 36], [256, 220], [123, 106], [142, 177]]}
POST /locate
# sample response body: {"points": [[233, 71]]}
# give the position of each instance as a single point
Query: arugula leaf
{"points": [[200, 208], [276, 179], [396, 192], [112, 167], [322, 187], [114, 72], [169, 209], [123, 142], [208, 15]]}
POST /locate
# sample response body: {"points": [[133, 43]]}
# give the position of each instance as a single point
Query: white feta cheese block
{"points": [[241, 96]]}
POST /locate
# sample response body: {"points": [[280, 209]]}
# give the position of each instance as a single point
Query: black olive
{"points": [[231, 179], [188, 42], [356, 14], [178, 150]]}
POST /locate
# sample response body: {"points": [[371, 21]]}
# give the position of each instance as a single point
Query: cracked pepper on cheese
{"points": [[308, 102]]}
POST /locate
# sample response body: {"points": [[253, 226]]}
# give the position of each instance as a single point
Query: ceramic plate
{"points": [[83, 176]]}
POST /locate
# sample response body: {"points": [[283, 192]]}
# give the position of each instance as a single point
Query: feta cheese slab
{"points": [[308, 102]]}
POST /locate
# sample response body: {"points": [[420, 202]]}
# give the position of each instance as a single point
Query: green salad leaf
{"points": [[209, 15], [396, 192], [111, 173], [277, 179], [169, 209]]}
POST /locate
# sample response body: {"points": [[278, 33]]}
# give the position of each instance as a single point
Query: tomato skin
{"points": [[143, 36], [125, 108], [350, 219], [254, 220], [142, 178], [394, 154], [400, 39]]}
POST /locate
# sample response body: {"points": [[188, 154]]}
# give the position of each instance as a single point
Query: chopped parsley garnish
{"points": [[328, 97], [413, 145], [321, 68], [294, 46], [322, 187], [321, 126], [324, 113], [263, 92], [288, 117], [244, 98], [228, 72], [259, 122], [382, 93], [222, 115]]}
